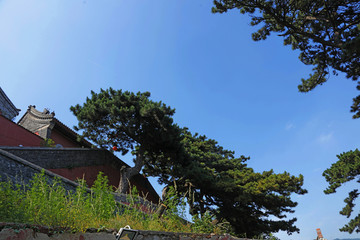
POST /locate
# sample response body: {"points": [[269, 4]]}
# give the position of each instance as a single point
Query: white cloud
{"points": [[325, 138], [289, 126]]}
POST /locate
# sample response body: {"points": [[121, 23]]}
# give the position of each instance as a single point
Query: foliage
{"points": [[208, 223], [47, 203], [327, 34], [347, 168], [268, 237], [217, 183], [103, 203], [203, 224], [47, 142], [174, 202], [11, 202], [126, 121], [211, 178], [43, 198]]}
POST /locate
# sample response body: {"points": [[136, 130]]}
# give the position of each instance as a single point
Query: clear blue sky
{"points": [[221, 83]]}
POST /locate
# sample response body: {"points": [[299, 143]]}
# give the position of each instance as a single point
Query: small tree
{"points": [[125, 121]]}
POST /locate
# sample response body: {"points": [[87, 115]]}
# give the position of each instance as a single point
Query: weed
{"points": [[47, 202]]}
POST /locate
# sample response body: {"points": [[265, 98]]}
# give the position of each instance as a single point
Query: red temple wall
{"points": [[90, 173], [59, 138], [12, 134]]}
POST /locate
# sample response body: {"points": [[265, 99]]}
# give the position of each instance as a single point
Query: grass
{"points": [[47, 203]]}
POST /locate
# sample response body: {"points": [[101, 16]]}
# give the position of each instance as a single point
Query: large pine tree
{"points": [[211, 177], [216, 181], [125, 121]]}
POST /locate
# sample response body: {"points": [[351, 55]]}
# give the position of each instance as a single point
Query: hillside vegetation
{"points": [[49, 204]]}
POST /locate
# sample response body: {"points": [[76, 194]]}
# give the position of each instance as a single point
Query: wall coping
{"points": [[110, 233], [36, 167], [52, 148]]}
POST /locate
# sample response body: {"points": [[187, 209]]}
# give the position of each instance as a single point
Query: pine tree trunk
{"points": [[201, 204], [127, 173]]}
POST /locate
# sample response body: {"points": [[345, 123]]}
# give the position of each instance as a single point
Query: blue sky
{"points": [[221, 83]]}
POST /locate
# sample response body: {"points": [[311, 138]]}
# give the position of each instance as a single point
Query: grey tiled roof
{"points": [[44, 122], [7, 108]]}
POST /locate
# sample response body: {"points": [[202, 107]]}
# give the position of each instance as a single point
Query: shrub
{"points": [[47, 202]]}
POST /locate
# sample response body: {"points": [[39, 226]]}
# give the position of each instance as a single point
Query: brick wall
{"points": [[65, 157], [20, 171]]}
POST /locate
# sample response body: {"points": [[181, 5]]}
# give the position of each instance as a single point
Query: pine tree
{"points": [[125, 121], [215, 181], [327, 34], [211, 177], [346, 169]]}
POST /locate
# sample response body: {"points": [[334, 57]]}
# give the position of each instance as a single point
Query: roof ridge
{"points": [[57, 121], [13, 110], [8, 99]]}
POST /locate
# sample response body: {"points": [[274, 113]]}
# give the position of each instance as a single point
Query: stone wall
{"points": [[11, 167], [53, 158], [73, 163], [27, 232], [21, 171]]}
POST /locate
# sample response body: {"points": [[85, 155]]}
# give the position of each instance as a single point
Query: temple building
{"points": [[45, 125], [72, 157], [7, 108]]}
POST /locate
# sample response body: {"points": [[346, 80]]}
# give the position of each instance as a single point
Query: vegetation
{"points": [[346, 169], [220, 186], [327, 34], [217, 185], [49, 204], [125, 121], [47, 142]]}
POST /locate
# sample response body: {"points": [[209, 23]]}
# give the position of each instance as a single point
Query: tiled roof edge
{"points": [[72, 132], [9, 101]]}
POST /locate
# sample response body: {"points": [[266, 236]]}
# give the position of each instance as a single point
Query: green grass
{"points": [[47, 203]]}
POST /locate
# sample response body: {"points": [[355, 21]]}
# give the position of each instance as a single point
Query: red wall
{"points": [[59, 138], [12, 134], [90, 174]]}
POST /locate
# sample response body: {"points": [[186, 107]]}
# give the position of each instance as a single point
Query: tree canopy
{"points": [[327, 34], [125, 121], [211, 177], [346, 169], [215, 181]]}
